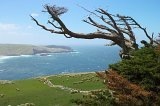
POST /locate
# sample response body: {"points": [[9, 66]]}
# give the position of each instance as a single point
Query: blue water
{"points": [[85, 59]]}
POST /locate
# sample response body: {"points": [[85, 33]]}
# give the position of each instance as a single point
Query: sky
{"points": [[16, 26]]}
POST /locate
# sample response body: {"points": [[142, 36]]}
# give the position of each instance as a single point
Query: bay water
{"points": [[83, 59]]}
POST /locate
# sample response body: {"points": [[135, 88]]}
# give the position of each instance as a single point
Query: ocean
{"points": [[83, 59]]}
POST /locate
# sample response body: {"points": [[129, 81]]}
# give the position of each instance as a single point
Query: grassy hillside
{"points": [[22, 49], [49, 91], [8, 49]]}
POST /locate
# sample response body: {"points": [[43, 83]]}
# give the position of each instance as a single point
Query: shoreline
{"points": [[63, 74], [39, 54], [52, 75]]}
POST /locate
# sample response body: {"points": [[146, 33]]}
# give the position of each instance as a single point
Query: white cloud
{"points": [[29, 27], [15, 33], [8, 27], [34, 14]]}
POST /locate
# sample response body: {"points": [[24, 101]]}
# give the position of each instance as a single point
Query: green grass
{"points": [[79, 81], [34, 91]]}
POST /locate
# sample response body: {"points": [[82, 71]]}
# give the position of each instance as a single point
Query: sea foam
{"points": [[3, 58]]}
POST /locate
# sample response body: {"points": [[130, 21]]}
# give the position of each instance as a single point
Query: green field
{"points": [[38, 91]]}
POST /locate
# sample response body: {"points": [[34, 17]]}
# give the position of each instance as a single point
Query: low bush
{"points": [[143, 68]]}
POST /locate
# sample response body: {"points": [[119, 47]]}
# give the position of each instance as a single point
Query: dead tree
{"points": [[116, 28]]}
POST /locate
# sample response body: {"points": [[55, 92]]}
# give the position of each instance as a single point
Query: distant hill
{"points": [[24, 49]]}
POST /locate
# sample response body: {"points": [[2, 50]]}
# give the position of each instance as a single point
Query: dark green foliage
{"points": [[96, 98], [143, 68]]}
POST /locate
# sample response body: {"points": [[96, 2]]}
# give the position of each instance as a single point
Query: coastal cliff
{"points": [[24, 49]]}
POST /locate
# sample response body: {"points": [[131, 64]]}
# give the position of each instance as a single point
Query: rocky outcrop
{"points": [[22, 49]]}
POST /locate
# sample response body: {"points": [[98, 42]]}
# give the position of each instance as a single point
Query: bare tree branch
{"points": [[88, 10], [53, 25], [92, 22], [45, 28], [112, 20], [143, 29], [129, 29]]}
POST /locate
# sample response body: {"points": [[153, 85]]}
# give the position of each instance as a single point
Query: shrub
{"points": [[143, 68], [125, 92]]}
